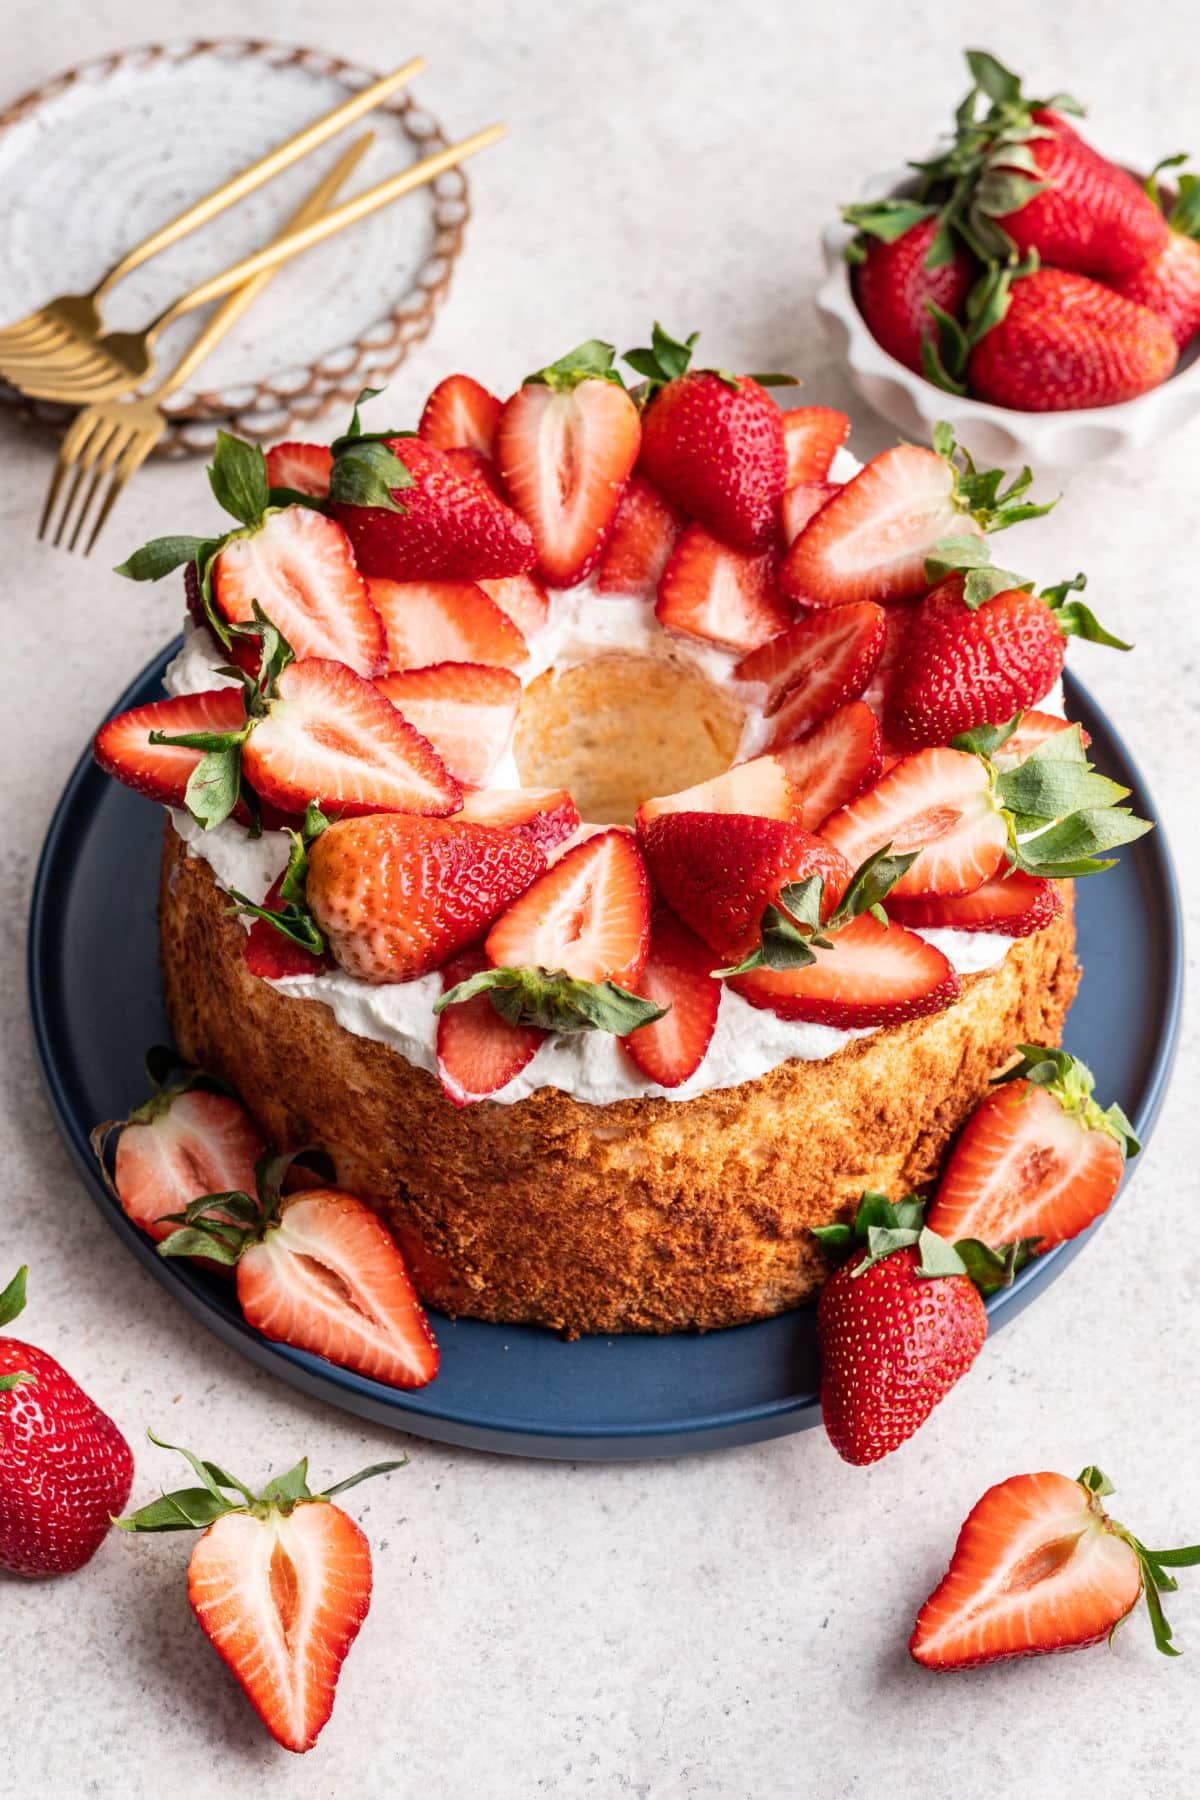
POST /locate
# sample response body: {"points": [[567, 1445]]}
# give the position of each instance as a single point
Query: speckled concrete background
{"points": [[721, 1629]]}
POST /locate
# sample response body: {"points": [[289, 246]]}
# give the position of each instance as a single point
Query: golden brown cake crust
{"points": [[644, 1215]]}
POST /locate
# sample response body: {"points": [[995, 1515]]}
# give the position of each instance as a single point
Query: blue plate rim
{"points": [[406, 1410]]}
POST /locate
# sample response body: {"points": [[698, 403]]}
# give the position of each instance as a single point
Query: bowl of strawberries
{"points": [[1041, 297]]}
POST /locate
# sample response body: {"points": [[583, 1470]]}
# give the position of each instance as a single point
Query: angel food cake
{"points": [[617, 827]]}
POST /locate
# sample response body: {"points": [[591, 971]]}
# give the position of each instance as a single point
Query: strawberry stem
{"points": [[195, 1509], [1154, 1564]]}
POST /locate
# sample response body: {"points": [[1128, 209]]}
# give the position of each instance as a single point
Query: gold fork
{"points": [[120, 361], [115, 437], [72, 322]]}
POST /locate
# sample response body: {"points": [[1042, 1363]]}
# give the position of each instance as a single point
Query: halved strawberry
{"points": [[305, 468], [523, 598], [329, 736], [178, 1146], [478, 1052], [760, 786], [812, 437], [273, 957], [327, 1278], [677, 977], [1015, 905], [870, 541], [588, 916], [833, 763], [396, 896], [465, 710], [299, 567], [724, 596], [545, 816], [450, 526], [1034, 729], [565, 445], [719, 871], [872, 974], [122, 747], [1036, 1159], [802, 502], [642, 538], [460, 414], [819, 663], [444, 621], [938, 802]]}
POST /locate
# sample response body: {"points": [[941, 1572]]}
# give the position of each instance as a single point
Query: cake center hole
{"points": [[621, 729]]}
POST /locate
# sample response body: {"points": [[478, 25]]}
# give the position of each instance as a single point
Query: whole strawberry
{"points": [[894, 283], [1090, 216], [65, 1469], [712, 442], [897, 1325], [1169, 282]]}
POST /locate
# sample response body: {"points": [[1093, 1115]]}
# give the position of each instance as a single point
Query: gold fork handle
{"points": [[280, 158], [227, 316], [336, 220]]}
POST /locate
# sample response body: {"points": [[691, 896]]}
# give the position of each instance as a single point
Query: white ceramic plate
{"points": [[97, 158]]}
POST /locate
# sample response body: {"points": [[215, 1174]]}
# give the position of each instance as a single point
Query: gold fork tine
{"points": [[77, 435], [85, 461], [131, 461], [107, 459]]}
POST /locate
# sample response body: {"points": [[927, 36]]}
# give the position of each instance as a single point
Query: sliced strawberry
{"points": [[305, 468], [1034, 729], [589, 915], [819, 663], [812, 437], [478, 1052], [451, 527], [719, 871], [460, 414], [872, 975], [678, 977], [299, 566], [938, 802], [273, 957], [122, 747], [1029, 1164], [187, 1144], [445, 621], [899, 616], [473, 465], [328, 1278], [1037, 1566], [760, 786], [802, 502], [466, 711], [330, 737], [833, 763], [565, 454], [871, 540], [724, 596], [1015, 905], [545, 816], [642, 538], [523, 598]]}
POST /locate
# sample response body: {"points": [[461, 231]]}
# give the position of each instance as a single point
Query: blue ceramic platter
{"points": [[97, 1005]]}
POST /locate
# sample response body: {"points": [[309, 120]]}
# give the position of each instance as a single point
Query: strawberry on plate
{"points": [[445, 621], [122, 747], [546, 816], [642, 538], [299, 568], [565, 445], [330, 737], [894, 282], [833, 763], [1012, 904], [677, 977], [898, 1324], [65, 1469], [939, 803], [465, 710], [802, 502], [397, 896], [712, 443], [303, 468], [812, 437], [460, 414], [1039, 1566], [587, 916], [722, 596], [522, 597], [1169, 281], [271, 956], [761, 786], [1034, 729], [815, 666], [1037, 1159], [280, 1583], [478, 1052]]}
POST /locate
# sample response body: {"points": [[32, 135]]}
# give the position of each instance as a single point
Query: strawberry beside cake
{"points": [[616, 826]]}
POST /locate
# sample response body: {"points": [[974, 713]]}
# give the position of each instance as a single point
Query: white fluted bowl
{"points": [[994, 434]]}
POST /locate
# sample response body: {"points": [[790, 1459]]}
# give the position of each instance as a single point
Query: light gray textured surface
{"points": [[722, 1629]]}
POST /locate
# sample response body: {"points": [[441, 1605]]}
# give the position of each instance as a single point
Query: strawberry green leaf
{"points": [[837, 1241], [554, 1001], [590, 361], [1075, 846], [1150, 185], [18, 1378], [993, 1269], [1074, 619], [888, 219], [944, 358], [1185, 214], [991, 77], [986, 740], [12, 1300], [159, 557], [1071, 1083], [365, 472], [938, 1258], [292, 921], [190, 1241], [188, 1509], [666, 359], [214, 786], [238, 478], [285, 1490], [367, 1474]]}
